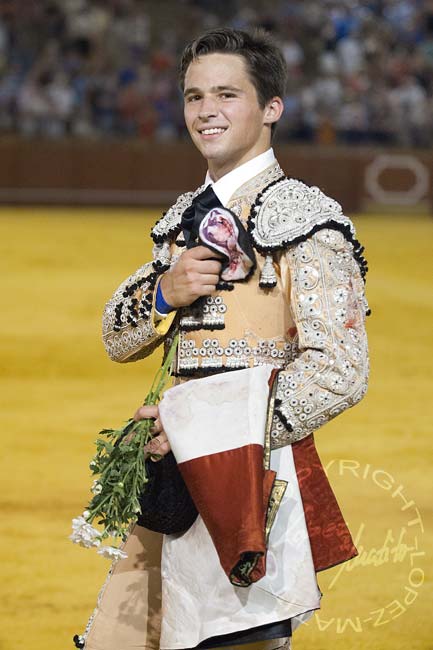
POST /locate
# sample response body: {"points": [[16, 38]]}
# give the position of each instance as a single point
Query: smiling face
{"points": [[222, 112]]}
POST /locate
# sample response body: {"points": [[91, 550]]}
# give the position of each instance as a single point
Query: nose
{"points": [[208, 108]]}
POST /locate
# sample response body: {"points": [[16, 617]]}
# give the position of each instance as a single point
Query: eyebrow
{"points": [[214, 89]]}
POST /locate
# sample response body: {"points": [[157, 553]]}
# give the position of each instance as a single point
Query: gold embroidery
{"points": [[251, 188], [276, 497], [268, 428], [279, 486]]}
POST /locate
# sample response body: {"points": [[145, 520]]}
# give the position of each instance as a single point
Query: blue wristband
{"points": [[161, 306]]}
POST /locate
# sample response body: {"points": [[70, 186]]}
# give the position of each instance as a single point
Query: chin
{"points": [[210, 150], [217, 153]]}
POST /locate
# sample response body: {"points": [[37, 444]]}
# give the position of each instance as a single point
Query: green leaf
{"points": [[120, 467]]}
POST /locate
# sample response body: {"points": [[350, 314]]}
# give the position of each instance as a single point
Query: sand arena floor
{"points": [[58, 389]]}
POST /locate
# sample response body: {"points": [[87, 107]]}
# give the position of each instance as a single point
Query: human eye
{"points": [[227, 95], [192, 98]]}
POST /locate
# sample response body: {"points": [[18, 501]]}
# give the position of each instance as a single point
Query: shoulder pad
{"points": [[288, 211], [169, 224]]}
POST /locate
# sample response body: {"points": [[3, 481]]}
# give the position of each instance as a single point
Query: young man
{"points": [[299, 311]]}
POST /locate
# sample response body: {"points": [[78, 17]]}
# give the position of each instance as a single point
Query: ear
{"points": [[273, 110]]}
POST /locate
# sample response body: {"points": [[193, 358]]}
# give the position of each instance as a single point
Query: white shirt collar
{"points": [[227, 185]]}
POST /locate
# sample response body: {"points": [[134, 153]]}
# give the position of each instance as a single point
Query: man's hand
{"points": [[195, 274], [159, 444]]}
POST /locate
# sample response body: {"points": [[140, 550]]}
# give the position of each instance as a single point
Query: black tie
{"points": [[192, 217], [236, 246]]}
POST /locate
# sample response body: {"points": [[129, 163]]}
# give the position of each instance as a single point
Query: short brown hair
{"points": [[264, 60]]}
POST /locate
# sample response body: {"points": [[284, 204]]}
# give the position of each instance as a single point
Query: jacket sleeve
{"points": [[330, 372], [131, 327]]}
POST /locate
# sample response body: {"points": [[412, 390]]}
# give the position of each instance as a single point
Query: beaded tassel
{"points": [[268, 277], [164, 255]]}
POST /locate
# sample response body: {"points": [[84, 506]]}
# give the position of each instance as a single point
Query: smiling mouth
{"points": [[212, 131]]}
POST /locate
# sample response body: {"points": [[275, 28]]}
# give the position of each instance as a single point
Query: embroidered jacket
{"points": [[303, 310]]}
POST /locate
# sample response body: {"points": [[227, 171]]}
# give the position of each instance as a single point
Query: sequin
{"points": [[207, 313], [125, 334], [237, 354], [323, 372], [323, 382]]}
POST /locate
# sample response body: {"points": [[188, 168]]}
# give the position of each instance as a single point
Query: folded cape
{"points": [[216, 428]]}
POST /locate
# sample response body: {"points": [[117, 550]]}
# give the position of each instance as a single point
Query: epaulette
{"points": [[288, 211], [169, 225]]}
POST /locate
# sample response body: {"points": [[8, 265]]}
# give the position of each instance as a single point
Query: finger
{"points": [[153, 445], [146, 412], [207, 290], [209, 266], [203, 253], [209, 278], [163, 450], [157, 426]]}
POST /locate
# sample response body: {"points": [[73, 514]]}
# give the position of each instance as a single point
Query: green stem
{"points": [[162, 375], [115, 509]]}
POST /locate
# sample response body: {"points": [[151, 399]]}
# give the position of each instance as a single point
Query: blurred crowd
{"points": [[359, 72]]}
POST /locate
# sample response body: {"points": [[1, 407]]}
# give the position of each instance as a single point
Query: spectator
{"points": [[409, 108], [352, 119], [359, 70]]}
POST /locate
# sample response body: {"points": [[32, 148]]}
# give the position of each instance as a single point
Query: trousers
{"points": [[128, 612]]}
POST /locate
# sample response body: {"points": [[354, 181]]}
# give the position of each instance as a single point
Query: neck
{"points": [[218, 169]]}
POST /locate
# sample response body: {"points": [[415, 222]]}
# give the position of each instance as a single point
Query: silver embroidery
{"points": [[83, 637], [251, 188], [172, 218], [290, 209], [127, 344], [237, 354], [236, 208], [330, 374], [280, 436], [208, 312], [268, 277], [245, 196], [161, 252], [133, 343]]}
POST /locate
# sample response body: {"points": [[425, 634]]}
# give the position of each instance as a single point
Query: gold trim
{"points": [[254, 185], [279, 486], [275, 499], [268, 428]]}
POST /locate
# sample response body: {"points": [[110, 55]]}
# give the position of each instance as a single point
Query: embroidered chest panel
{"points": [[217, 352], [252, 323]]}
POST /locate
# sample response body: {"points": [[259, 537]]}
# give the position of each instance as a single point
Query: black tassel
{"points": [[79, 641]]}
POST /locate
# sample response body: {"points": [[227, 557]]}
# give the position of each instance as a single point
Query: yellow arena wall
{"points": [[58, 389]]}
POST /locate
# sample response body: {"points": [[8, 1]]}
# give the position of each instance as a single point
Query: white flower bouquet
{"points": [[119, 464]]}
